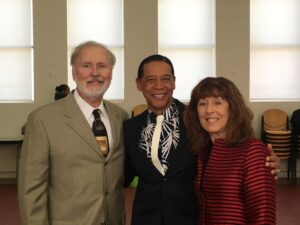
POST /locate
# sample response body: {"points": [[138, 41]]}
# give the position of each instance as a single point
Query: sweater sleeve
{"points": [[258, 187]]}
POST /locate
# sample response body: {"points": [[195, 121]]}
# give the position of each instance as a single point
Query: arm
{"points": [[258, 187], [130, 172], [273, 162], [33, 177]]}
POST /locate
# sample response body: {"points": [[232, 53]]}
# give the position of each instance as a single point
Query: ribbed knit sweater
{"points": [[235, 187]]}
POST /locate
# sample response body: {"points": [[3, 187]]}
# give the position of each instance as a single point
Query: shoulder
{"points": [[112, 107], [136, 120], [256, 144], [256, 149], [49, 110], [181, 106], [47, 116]]}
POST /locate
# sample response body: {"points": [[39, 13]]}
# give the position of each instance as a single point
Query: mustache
{"points": [[95, 79]]}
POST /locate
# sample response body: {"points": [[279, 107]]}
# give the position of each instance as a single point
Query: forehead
{"points": [[211, 91], [212, 98], [157, 68], [93, 53]]}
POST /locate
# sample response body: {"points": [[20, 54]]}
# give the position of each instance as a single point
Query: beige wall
{"points": [[50, 40], [232, 53]]}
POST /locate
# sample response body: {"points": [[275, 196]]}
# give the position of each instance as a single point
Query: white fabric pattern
{"points": [[155, 142], [169, 138]]}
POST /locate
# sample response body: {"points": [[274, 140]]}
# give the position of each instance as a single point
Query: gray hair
{"points": [[77, 50]]}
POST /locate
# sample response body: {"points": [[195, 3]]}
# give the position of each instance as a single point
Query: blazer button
{"points": [[105, 163], [106, 193]]}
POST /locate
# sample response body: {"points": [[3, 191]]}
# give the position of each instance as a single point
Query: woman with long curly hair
{"points": [[233, 185]]}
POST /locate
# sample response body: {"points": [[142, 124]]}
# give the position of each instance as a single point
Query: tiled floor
{"points": [[9, 213], [288, 204]]}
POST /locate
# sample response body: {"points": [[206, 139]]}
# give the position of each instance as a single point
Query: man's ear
{"points": [[174, 82], [138, 84], [73, 74]]}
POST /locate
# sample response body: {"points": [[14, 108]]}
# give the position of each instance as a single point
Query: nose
{"points": [[95, 71], [158, 84], [209, 108]]}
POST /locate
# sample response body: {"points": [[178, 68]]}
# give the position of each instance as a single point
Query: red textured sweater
{"points": [[235, 187]]}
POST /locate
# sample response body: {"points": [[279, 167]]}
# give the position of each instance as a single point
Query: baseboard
{"points": [[8, 181]]}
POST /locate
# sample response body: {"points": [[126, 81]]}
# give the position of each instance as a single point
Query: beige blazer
{"points": [[64, 179]]}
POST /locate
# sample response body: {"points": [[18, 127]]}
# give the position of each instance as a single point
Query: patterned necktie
{"points": [[155, 143], [100, 133]]}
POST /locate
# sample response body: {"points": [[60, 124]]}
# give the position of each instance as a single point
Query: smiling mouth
{"points": [[159, 96], [212, 119], [95, 81]]}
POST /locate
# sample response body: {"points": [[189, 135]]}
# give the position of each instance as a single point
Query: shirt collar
{"points": [[86, 108], [168, 113]]}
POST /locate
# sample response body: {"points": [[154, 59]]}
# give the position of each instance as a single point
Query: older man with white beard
{"points": [[65, 177]]}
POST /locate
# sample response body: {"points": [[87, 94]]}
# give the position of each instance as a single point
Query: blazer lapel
{"points": [[76, 121], [116, 124]]}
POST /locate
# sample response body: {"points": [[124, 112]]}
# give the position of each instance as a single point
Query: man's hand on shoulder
{"points": [[273, 162]]}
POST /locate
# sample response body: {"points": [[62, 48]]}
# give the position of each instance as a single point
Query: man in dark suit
{"points": [[65, 177], [165, 167]]}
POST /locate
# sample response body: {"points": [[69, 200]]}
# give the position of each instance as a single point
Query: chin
{"points": [[92, 95]]}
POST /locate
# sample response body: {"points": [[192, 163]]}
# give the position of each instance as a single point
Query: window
{"points": [[16, 51], [275, 50], [186, 36], [101, 21]]}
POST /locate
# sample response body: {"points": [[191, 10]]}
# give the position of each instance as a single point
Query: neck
{"points": [[160, 111], [92, 101]]}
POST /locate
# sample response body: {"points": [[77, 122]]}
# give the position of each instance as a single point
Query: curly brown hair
{"points": [[238, 128]]}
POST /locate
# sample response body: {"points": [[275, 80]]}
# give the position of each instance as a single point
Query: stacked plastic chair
{"points": [[275, 130], [138, 109]]}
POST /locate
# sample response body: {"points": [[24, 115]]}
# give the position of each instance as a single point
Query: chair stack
{"points": [[138, 109], [281, 142], [275, 131]]}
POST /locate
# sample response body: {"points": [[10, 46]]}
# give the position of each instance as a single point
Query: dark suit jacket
{"points": [[158, 198], [64, 178]]}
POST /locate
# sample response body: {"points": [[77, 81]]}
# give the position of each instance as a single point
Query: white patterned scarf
{"points": [[169, 137]]}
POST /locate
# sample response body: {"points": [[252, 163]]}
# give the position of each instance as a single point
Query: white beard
{"points": [[92, 93]]}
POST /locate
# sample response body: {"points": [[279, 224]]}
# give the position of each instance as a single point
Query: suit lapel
{"points": [[77, 122], [116, 124]]}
